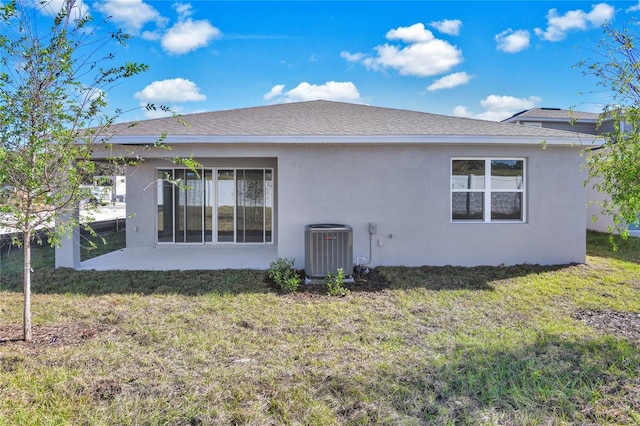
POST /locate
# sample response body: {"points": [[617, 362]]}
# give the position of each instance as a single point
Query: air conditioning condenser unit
{"points": [[328, 247]]}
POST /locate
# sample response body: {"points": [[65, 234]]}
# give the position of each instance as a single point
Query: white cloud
{"points": [[152, 35], [498, 108], [275, 92], [450, 81], [331, 90], [183, 9], [185, 36], [423, 56], [416, 33], [575, 20], [447, 26], [174, 90], [509, 103], [633, 8], [131, 14], [188, 35], [510, 41], [353, 57], [462, 111]]}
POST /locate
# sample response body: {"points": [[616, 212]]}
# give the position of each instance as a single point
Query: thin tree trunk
{"points": [[27, 285]]}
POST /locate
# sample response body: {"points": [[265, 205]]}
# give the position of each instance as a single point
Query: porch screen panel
{"points": [[194, 203], [165, 206], [208, 205], [240, 206], [181, 204], [225, 205], [250, 208], [215, 205]]}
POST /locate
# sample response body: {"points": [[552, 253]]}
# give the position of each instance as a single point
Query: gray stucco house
{"points": [[415, 188]]}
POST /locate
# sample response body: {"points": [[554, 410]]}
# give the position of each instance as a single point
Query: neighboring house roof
{"points": [[552, 114], [333, 122]]}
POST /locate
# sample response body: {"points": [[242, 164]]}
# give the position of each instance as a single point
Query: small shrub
{"points": [[282, 273], [335, 284]]}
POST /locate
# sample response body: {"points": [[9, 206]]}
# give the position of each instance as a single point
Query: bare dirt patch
{"points": [[53, 335], [622, 324]]}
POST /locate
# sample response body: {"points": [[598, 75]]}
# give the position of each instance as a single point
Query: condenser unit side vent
{"points": [[328, 247]]}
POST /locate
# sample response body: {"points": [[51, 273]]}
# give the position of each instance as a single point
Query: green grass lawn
{"points": [[517, 345]]}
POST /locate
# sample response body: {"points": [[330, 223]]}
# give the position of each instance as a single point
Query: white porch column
{"points": [[68, 253]]}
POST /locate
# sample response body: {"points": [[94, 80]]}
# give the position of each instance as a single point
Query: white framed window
{"points": [[488, 189], [226, 205]]}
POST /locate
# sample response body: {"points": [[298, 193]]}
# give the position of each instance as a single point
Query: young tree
{"points": [[53, 85], [614, 170]]}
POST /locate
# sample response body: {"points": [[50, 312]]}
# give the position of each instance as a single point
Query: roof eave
{"points": [[569, 140]]}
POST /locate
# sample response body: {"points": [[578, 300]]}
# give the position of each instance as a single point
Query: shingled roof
{"points": [[554, 114], [323, 119]]}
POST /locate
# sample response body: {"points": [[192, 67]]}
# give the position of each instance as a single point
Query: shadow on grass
{"points": [[548, 382], [458, 277], [48, 280], [613, 246], [190, 283]]}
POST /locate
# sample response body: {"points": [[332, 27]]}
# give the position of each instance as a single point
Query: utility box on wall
{"points": [[328, 247]]}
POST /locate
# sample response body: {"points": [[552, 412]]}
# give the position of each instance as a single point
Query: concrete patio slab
{"points": [[183, 257]]}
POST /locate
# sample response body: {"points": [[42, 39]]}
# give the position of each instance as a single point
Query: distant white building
{"points": [[111, 188]]}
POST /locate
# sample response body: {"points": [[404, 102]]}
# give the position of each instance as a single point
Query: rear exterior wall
{"points": [[405, 189]]}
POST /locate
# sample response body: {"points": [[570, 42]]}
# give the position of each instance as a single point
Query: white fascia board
{"points": [[575, 140]]}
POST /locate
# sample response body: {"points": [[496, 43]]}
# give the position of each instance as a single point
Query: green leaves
{"points": [[55, 90], [282, 273], [614, 170], [335, 283], [8, 10], [189, 162], [129, 69], [53, 86]]}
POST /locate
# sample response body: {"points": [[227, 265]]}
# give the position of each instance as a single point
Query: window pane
{"points": [[506, 174], [506, 205], [467, 174], [165, 207], [467, 205], [226, 203]]}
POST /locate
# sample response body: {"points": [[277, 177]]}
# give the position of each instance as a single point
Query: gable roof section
{"points": [[553, 114], [333, 122]]}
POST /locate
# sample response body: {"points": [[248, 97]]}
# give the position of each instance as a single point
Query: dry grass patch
{"points": [[520, 345]]}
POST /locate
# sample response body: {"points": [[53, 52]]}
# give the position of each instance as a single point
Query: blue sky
{"points": [[476, 59]]}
